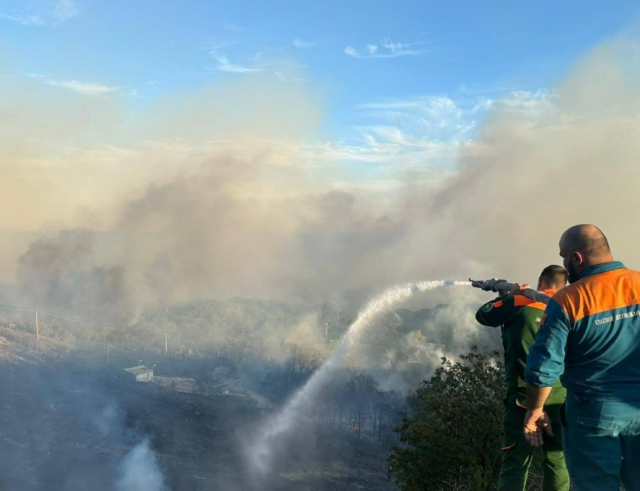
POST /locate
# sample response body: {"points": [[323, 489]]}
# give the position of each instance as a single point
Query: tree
{"points": [[363, 390], [452, 432]]}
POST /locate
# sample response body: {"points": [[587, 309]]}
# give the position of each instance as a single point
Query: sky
{"points": [[372, 63], [374, 88]]}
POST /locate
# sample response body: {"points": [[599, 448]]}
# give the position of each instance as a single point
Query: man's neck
{"points": [[596, 262], [546, 287]]}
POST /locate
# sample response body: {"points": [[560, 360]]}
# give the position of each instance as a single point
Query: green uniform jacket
{"points": [[519, 318]]}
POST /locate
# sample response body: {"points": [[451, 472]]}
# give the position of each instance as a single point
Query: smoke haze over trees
{"points": [[240, 215]]}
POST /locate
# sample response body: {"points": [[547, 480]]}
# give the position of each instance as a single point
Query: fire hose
{"points": [[495, 285]]}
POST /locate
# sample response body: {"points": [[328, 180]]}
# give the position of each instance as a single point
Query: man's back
{"points": [[519, 318], [600, 317]]}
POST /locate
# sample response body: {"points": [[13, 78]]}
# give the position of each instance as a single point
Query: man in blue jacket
{"points": [[591, 338]]}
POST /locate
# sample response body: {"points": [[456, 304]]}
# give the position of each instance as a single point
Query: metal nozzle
{"points": [[476, 283]]}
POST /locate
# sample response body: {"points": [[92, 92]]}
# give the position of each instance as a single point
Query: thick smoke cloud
{"points": [[242, 225], [538, 170], [63, 273]]}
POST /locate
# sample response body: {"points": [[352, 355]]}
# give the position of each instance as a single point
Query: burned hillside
{"points": [[219, 368]]}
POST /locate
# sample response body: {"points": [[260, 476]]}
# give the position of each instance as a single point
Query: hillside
{"points": [[70, 419]]}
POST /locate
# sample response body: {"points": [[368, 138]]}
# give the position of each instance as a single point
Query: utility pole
{"points": [[37, 327]]}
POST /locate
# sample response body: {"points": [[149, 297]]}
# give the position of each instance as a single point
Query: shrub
{"points": [[451, 433]]}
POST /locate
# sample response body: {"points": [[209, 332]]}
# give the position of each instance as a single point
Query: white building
{"points": [[141, 373]]}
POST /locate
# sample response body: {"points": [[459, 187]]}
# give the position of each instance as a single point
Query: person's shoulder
{"points": [[632, 273], [569, 292], [570, 298], [628, 285], [596, 283], [499, 303], [521, 300], [598, 292], [535, 305]]}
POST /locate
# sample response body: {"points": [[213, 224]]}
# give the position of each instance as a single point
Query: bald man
{"points": [[591, 337]]}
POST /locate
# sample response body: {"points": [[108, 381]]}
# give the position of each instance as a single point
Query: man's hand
{"points": [[535, 423], [519, 288]]}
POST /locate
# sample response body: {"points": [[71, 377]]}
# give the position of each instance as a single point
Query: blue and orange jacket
{"points": [[591, 336]]}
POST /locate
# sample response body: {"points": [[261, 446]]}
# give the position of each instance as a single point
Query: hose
{"points": [[495, 285]]}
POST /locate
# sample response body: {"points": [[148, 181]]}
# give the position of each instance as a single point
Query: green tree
{"points": [[451, 433]]}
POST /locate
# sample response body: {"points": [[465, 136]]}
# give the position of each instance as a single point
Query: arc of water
{"points": [[259, 451]]}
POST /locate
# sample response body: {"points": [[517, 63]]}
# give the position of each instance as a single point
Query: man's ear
{"points": [[577, 258]]}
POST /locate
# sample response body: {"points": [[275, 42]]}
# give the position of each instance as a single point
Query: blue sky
{"points": [[408, 74]]}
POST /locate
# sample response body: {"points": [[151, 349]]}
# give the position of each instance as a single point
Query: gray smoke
{"points": [[250, 220], [64, 273], [139, 470]]}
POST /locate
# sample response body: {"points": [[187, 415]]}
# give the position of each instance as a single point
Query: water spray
{"points": [[259, 452], [499, 286]]}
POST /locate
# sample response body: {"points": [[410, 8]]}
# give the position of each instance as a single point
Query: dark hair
{"points": [[554, 276]]}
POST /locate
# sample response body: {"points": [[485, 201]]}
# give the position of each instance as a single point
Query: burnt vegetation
{"points": [[70, 406], [220, 368]]}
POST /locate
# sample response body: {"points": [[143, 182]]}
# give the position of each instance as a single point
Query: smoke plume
{"points": [[260, 220], [139, 470]]}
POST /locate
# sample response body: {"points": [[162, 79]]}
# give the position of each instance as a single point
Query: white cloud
{"points": [[400, 49], [64, 10], [387, 149], [385, 49], [36, 14], [442, 118], [427, 132], [225, 65], [85, 88], [483, 104], [286, 78], [299, 43], [435, 117], [415, 133], [351, 51]]}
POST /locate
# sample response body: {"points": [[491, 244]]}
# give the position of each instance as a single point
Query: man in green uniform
{"points": [[519, 318]]}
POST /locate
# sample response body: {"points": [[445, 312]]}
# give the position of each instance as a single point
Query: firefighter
{"points": [[519, 318], [591, 337]]}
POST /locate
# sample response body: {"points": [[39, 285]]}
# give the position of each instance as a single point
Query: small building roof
{"points": [[139, 370]]}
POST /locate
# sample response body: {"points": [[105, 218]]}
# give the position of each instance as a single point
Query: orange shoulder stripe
{"points": [[521, 300], [538, 305], [599, 293]]}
